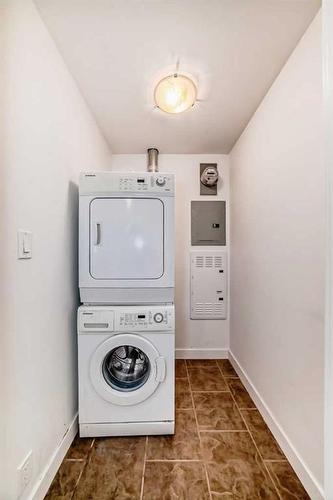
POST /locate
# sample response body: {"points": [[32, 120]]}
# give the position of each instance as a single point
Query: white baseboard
{"points": [[202, 353], [314, 489], [45, 479]]}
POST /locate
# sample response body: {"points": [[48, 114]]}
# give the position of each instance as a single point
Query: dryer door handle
{"points": [[160, 368], [97, 233]]}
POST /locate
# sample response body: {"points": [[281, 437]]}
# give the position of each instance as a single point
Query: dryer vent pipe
{"points": [[152, 160]]}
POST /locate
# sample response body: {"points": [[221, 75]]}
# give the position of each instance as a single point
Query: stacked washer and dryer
{"points": [[126, 325]]}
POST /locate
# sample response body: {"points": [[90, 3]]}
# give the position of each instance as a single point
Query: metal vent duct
{"points": [[152, 160]]}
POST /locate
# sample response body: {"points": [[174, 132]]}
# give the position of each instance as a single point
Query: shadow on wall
{"points": [[72, 228]]}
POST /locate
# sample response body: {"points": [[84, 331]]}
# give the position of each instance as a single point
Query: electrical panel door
{"points": [[209, 285], [208, 223]]}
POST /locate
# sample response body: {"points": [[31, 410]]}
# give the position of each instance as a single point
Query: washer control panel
{"points": [[145, 319], [96, 319]]}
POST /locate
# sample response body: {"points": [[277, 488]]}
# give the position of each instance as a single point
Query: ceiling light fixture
{"points": [[175, 93]]}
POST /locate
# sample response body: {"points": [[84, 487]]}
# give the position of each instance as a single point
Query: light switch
{"points": [[24, 244]]}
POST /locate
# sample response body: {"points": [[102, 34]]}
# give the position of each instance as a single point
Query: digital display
{"points": [[141, 316], [140, 181]]}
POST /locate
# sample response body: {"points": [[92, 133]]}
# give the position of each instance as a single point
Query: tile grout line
{"points": [[86, 460], [249, 409], [263, 461], [188, 384], [198, 431], [173, 460], [73, 460], [221, 431], [204, 392], [283, 460], [250, 433], [251, 436], [144, 469], [78, 479]]}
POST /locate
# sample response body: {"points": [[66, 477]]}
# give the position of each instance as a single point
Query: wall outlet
{"points": [[25, 471]]}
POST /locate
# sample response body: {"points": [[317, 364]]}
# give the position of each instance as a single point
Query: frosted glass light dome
{"points": [[175, 93]]}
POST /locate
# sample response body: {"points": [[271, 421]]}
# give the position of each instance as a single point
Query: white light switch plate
{"points": [[24, 244]]}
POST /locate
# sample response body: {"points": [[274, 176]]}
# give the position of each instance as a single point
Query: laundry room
{"points": [[166, 269]]}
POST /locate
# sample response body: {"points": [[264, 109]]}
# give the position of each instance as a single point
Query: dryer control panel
{"points": [[99, 183], [146, 182]]}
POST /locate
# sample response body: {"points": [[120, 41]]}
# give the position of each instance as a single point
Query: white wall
{"points": [[47, 137], [278, 245], [193, 337]]}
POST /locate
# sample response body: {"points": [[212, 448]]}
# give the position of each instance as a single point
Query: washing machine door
{"points": [[126, 369]]}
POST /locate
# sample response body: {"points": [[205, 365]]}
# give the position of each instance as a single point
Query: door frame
{"points": [[327, 55]]}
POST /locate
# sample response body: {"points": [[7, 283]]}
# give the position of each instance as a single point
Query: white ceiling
{"points": [[118, 49]]}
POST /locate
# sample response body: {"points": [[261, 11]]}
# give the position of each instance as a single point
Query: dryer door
{"points": [[126, 238], [126, 369]]}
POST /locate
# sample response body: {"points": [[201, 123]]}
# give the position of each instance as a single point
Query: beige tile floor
{"points": [[221, 449]]}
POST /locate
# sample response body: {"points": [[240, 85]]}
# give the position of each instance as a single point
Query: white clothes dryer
{"points": [[126, 238], [126, 370]]}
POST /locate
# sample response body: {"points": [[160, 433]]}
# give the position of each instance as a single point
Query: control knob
{"points": [[158, 317], [160, 181]]}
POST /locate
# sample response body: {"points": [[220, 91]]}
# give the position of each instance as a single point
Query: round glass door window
{"points": [[126, 368]]}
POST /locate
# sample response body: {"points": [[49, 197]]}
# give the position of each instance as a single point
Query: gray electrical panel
{"points": [[208, 223]]}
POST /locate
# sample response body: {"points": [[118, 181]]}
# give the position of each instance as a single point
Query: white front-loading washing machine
{"points": [[126, 238], [126, 370]]}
